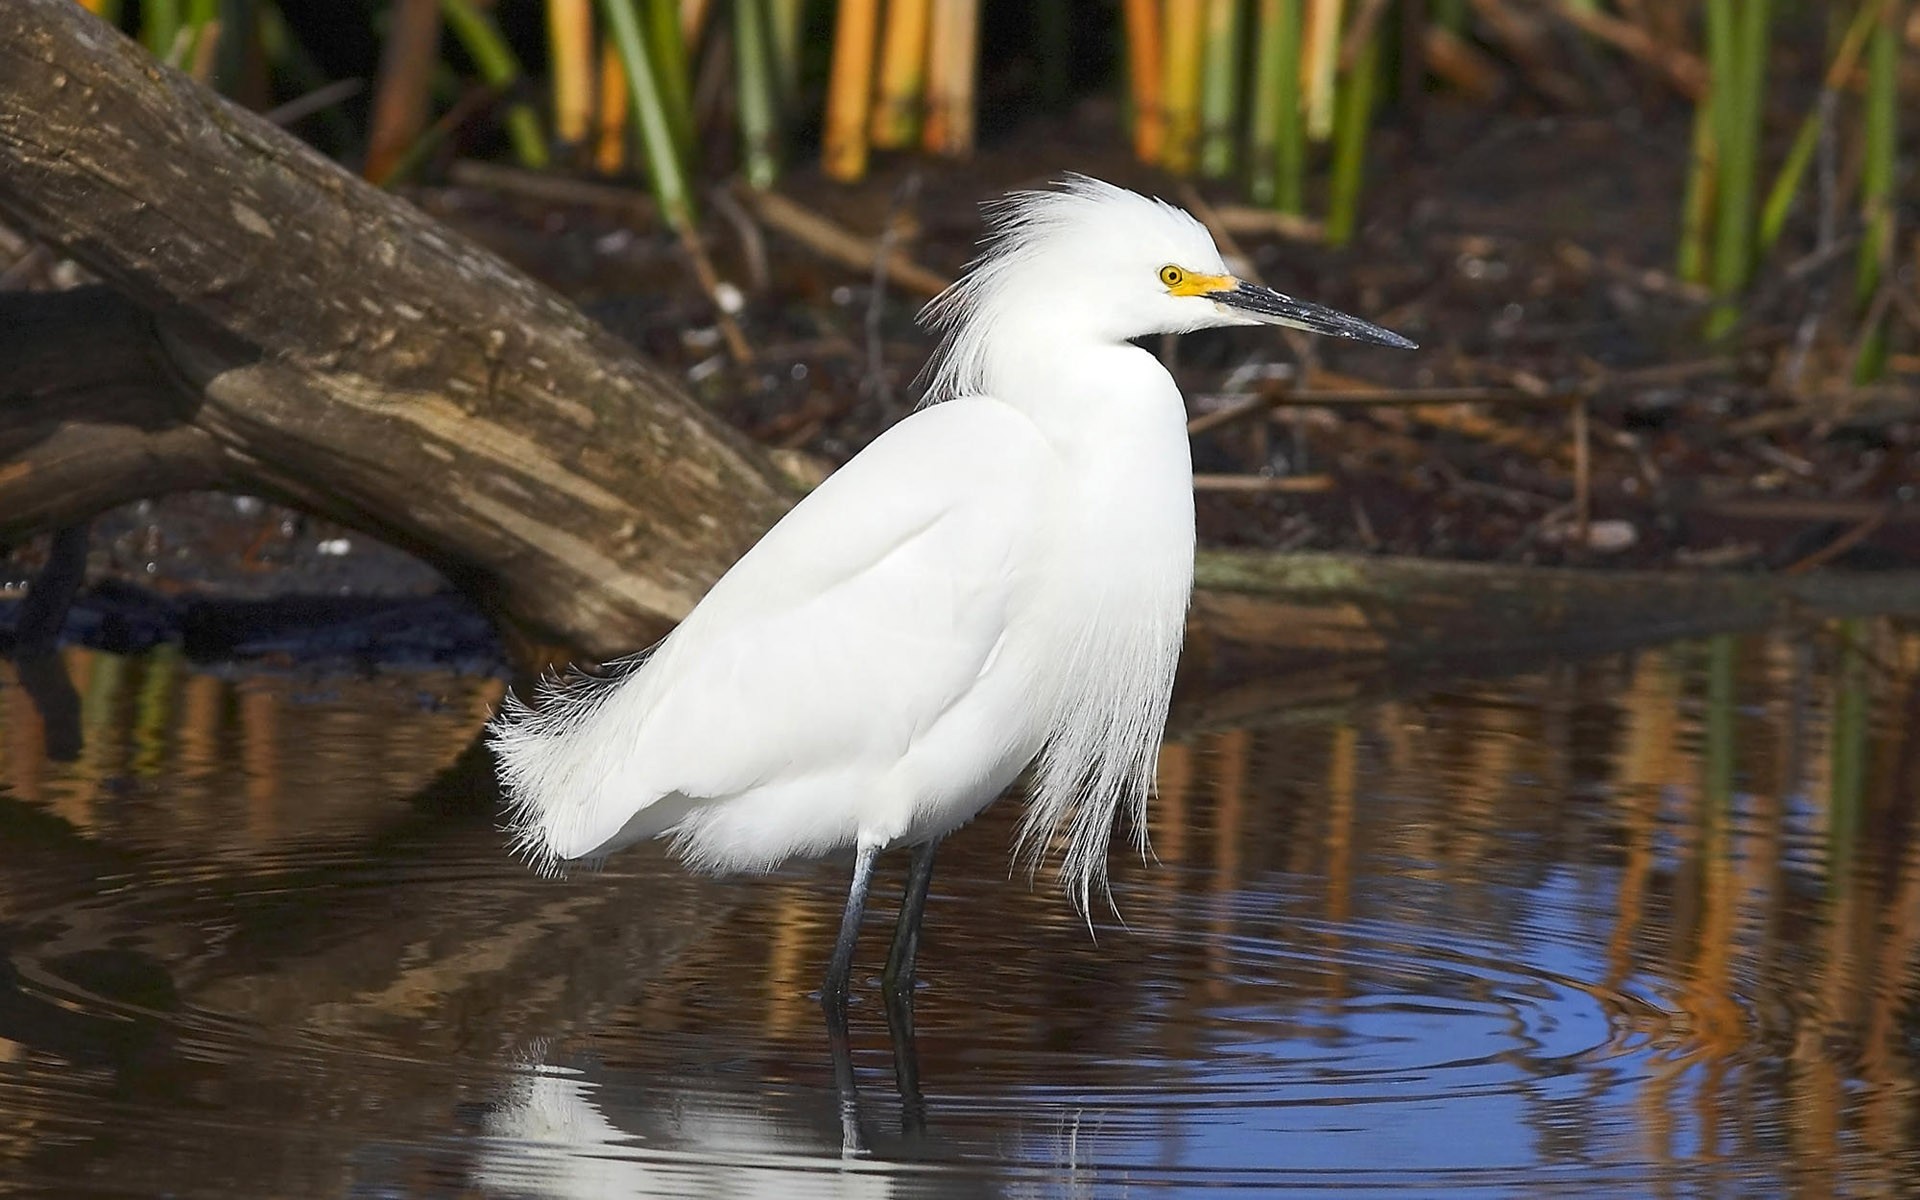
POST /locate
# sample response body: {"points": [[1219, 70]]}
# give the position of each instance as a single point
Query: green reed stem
{"points": [[1353, 115], [1696, 211], [1220, 88], [1738, 31], [1277, 139], [1878, 175], [160, 26], [501, 70], [759, 128], [667, 50], [665, 167], [199, 14], [1786, 186], [787, 19]]}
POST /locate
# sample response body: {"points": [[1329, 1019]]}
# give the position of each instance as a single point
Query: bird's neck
{"points": [[1064, 379]]}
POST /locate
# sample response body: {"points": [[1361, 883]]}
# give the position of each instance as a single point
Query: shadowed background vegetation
{"points": [[1795, 149]]}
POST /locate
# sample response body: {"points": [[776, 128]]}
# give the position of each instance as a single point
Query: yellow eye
{"points": [[1172, 276]]}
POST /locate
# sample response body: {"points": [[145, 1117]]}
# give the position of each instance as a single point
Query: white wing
{"points": [[860, 618]]}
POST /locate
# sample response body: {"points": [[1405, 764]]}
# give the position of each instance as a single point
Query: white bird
{"points": [[1000, 578]]}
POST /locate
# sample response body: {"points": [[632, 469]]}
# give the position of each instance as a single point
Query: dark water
{"points": [[1645, 925]]}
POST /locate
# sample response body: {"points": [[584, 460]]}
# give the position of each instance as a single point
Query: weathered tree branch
{"points": [[88, 415], [304, 335]]}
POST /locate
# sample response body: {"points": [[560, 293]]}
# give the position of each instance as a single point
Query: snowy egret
{"points": [[1000, 579]]}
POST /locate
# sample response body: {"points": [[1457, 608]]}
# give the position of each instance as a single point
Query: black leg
{"points": [[906, 1065], [898, 979], [833, 995], [853, 1138]]}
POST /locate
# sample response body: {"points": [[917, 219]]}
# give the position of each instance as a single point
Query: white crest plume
{"points": [[1037, 236]]}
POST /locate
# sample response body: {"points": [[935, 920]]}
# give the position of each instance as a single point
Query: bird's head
{"points": [[1096, 260]]}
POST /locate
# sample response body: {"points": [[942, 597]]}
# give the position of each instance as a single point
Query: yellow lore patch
{"points": [[1182, 282]]}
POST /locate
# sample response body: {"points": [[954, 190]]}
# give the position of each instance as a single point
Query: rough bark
{"points": [[297, 333]]}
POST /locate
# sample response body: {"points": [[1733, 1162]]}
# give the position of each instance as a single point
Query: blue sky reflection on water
{"points": [[1633, 926]]}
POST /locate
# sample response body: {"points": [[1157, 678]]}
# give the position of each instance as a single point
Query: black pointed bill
{"points": [[1269, 307]]}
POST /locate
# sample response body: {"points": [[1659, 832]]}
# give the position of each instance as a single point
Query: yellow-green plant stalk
{"points": [[1740, 27], [666, 42], [666, 170], [402, 96], [691, 19], [1696, 208], [759, 126], [1220, 88], [1276, 139], [788, 22], [160, 27], [1710, 144], [1878, 175], [843, 148], [1786, 185], [610, 116], [1320, 65], [903, 74], [1353, 118], [1145, 76], [501, 70], [1180, 89], [194, 49], [570, 45], [952, 65]]}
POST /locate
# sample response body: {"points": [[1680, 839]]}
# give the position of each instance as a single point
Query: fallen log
{"points": [[277, 326], [1315, 607], [1270, 633]]}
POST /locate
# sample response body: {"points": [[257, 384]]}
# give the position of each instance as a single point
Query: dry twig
{"points": [[834, 241]]}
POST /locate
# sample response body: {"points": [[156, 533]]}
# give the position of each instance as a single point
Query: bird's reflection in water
{"points": [[854, 1139], [572, 1126]]}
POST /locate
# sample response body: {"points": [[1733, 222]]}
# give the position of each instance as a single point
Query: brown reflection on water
{"points": [[1655, 914]]}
